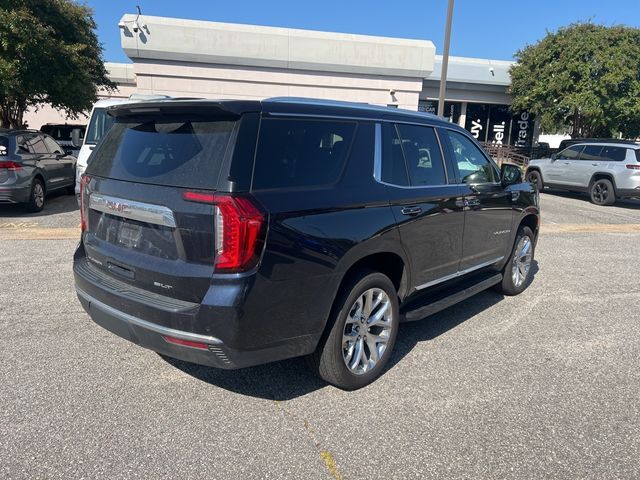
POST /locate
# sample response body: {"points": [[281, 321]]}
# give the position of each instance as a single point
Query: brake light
{"points": [[84, 201], [633, 167], [11, 166], [238, 228]]}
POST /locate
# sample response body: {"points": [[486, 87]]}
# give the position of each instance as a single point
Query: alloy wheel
{"points": [[522, 259], [38, 195], [367, 331], [600, 192]]}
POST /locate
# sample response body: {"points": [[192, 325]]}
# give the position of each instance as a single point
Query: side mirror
{"points": [[510, 174], [75, 138], [554, 156]]}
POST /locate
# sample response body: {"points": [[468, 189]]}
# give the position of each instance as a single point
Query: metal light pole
{"points": [[445, 60]]}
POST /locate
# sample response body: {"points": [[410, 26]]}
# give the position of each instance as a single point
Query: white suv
{"points": [[605, 170]]}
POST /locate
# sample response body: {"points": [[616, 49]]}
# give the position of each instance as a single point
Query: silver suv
{"points": [[605, 170]]}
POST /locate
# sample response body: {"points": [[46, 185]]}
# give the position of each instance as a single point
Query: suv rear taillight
{"points": [[11, 166], [84, 201], [631, 166], [239, 230]]}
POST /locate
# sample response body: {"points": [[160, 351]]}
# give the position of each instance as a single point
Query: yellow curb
{"points": [[39, 233], [551, 228]]}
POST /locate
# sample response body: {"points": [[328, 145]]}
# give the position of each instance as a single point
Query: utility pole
{"points": [[445, 60]]}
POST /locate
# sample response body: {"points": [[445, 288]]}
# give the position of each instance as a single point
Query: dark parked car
{"points": [[32, 164], [235, 233], [63, 134]]}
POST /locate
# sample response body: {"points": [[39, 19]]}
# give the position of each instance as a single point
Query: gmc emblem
{"points": [[117, 206]]}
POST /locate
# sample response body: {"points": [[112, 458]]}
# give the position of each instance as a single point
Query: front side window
{"points": [[301, 153], [473, 165], [422, 155], [98, 126], [571, 153], [52, 145]]}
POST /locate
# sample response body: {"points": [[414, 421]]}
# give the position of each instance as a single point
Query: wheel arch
{"points": [[602, 176], [39, 176]]}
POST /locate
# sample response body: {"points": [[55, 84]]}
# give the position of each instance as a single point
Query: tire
{"points": [[602, 192], [37, 197], [535, 178], [517, 273], [334, 350]]}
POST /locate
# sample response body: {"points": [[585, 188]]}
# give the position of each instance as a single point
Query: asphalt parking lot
{"points": [[543, 385]]}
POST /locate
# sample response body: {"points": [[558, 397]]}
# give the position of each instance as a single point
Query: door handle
{"points": [[566, 163], [411, 211]]}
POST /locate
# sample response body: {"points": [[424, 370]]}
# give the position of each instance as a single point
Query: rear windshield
{"points": [[172, 151], [4, 145], [61, 132], [98, 126]]}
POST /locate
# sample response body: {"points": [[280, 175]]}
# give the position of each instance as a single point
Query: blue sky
{"points": [[481, 28]]}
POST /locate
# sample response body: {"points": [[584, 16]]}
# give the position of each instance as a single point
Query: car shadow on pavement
{"points": [[289, 379], [56, 202], [630, 203]]}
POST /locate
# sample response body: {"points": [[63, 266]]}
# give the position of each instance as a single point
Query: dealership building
{"points": [[189, 58]]}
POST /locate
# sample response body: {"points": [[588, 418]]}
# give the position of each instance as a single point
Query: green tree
{"points": [[584, 79], [49, 53]]}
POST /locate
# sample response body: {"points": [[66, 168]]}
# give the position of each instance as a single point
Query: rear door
{"points": [[488, 212], [145, 224], [427, 205], [33, 148], [590, 161]]}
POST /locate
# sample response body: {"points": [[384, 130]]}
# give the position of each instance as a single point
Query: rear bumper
{"points": [[14, 194], [628, 192], [151, 336], [227, 332]]}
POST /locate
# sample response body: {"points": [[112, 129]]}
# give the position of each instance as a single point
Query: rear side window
{"points": [[394, 170], [301, 153], [591, 152], [173, 151], [422, 155], [614, 154], [638, 155], [31, 143]]}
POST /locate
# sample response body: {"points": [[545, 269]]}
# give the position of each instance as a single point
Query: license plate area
{"points": [[129, 235]]}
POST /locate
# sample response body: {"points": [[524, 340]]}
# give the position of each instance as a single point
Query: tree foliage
{"points": [[49, 53], [584, 79]]}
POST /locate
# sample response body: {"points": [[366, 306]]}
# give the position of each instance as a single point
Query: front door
{"points": [[565, 169], [427, 207], [488, 209]]}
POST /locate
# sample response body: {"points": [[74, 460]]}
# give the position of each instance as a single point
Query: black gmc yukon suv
{"points": [[235, 233]]}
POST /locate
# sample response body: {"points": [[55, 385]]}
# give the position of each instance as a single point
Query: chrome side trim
{"points": [[131, 320], [459, 273], [142, 212]]}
